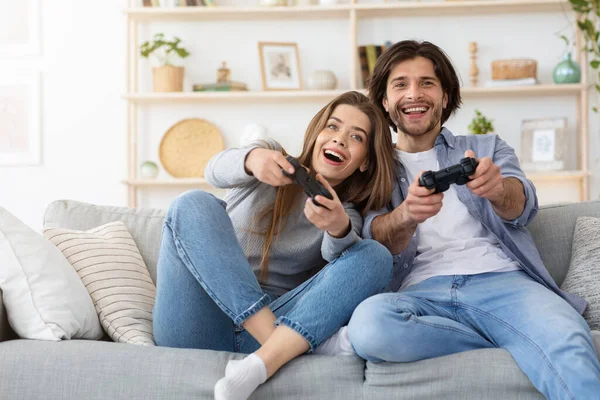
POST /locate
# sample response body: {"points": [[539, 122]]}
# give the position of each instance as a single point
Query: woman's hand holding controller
{"points": [[266, 166], [332, 216]]}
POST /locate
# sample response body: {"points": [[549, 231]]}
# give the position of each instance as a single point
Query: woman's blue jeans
{"points": [[443, 315], [206, 289]]}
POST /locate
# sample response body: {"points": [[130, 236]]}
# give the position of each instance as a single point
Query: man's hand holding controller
{"points": [[420, 203]]}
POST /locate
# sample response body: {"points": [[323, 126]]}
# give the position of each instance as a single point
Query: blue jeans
{"points": [[206, 289], [443, 315]]}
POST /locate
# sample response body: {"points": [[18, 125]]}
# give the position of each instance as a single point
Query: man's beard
{"points": [[396, 116]]}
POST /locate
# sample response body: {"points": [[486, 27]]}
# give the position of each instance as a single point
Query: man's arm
{"points": [[511, 203], [393, 231]]}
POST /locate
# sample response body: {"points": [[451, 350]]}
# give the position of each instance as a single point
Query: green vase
{"points": [[567, 71]]}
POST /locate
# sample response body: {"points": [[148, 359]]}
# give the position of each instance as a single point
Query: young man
{"points": [[467, 272]]}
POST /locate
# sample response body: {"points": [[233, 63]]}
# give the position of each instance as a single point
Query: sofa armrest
{"points": [[6, 333]]}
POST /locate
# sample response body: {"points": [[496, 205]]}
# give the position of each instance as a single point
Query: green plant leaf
{"points": [[159, 42]]}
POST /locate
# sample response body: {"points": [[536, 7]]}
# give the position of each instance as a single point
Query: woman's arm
{"points": [[227, 169]]}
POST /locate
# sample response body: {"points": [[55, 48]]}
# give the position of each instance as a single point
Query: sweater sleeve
{"points": [[331, 247], [226, 169]]}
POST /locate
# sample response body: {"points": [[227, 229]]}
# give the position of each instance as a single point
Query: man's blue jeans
{"points": [[206, 289], [443, 315]]}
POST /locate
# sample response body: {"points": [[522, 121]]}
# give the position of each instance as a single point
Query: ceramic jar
{"points": [[148, 170], [323, 80]]}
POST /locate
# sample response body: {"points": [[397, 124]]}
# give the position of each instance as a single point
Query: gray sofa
{"points": [[80, 369]]}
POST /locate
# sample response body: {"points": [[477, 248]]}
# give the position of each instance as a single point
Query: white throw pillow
{"points": [[583, 276], [43, 296], [111, 268]]}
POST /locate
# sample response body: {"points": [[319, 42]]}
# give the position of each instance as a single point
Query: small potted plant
{"points": [[166, 77], [480, 125]]}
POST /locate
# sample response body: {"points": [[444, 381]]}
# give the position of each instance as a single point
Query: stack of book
{"points": [[177, 3], [220, 87], [367, 56], [511, 82]]}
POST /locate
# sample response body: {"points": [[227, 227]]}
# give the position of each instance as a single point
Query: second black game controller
{"points": [[442, 179], [311, 186]]}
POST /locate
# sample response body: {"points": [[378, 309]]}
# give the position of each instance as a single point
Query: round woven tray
{"points": [[187, 146]]}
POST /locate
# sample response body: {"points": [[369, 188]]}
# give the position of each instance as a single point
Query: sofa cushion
{"points": [[110, 266], [144, 225], [105, 370], [583, 278], [552, 230], [43, 296], [479, 374]]}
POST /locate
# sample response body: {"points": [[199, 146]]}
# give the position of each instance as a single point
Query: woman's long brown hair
{"points": [[367, 190]]}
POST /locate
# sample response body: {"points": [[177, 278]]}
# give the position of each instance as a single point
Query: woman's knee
{"points": [[193, 203], [377, 262]]}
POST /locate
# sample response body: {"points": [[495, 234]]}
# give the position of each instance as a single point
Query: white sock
{"points": [[241, 378], [337, 345]]}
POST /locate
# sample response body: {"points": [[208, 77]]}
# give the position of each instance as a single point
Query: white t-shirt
{"points": [[453, 242]]}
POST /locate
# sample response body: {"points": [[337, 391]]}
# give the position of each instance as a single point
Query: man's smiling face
{"points": [[415, 97]]}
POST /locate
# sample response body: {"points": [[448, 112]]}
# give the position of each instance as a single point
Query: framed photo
{"points": [[280, 66], [20, 118], [544, 144], [19, 28]]}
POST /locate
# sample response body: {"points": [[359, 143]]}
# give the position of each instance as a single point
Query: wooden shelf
{"points": [[531, 90], [552, 176], [237, 13], [443, 8], [399, 9], [325, 95], [189, 97], [172, 182]]}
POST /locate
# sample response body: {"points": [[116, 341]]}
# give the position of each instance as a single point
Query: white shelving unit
{"points": [[351, 12]]}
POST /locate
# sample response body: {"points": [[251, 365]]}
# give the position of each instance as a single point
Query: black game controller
{"points": [[442, 179], [311, 186]]}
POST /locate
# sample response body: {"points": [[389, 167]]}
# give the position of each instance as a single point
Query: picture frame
{"points": [[280, 66], [20, 28], [20, 118], [544, 144]]}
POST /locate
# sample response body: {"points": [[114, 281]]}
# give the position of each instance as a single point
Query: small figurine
{"points": [[474, 70], [223, 73]]}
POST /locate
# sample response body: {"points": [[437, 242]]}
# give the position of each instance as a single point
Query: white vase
{"points": [[253, 132], [323, 80]]}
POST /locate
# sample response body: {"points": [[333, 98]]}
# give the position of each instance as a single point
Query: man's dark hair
{"points": [[408, 50]]}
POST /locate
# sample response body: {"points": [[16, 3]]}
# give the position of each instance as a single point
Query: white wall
{"points": [[82, 68], [83, 79]]}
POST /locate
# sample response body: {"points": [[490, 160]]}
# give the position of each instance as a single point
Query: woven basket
{"points": [[518, 68], [187, 146]]}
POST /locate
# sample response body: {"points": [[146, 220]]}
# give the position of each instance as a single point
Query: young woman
{"points": [[269, 272]]}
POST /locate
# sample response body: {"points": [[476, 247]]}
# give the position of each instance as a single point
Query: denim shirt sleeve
{"points": [[366, 229], [506, 159], [331, 247]]}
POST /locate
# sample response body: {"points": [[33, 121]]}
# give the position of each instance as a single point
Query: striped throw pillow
{"points": [[111, 268]]}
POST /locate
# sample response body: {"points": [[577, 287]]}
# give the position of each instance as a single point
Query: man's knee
{"points": [[369, 330]]}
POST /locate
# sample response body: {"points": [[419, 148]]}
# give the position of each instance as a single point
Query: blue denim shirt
{"points": [[514, 238]]}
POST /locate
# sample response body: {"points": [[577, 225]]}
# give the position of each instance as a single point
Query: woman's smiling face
{"points": [[342, 146]]}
